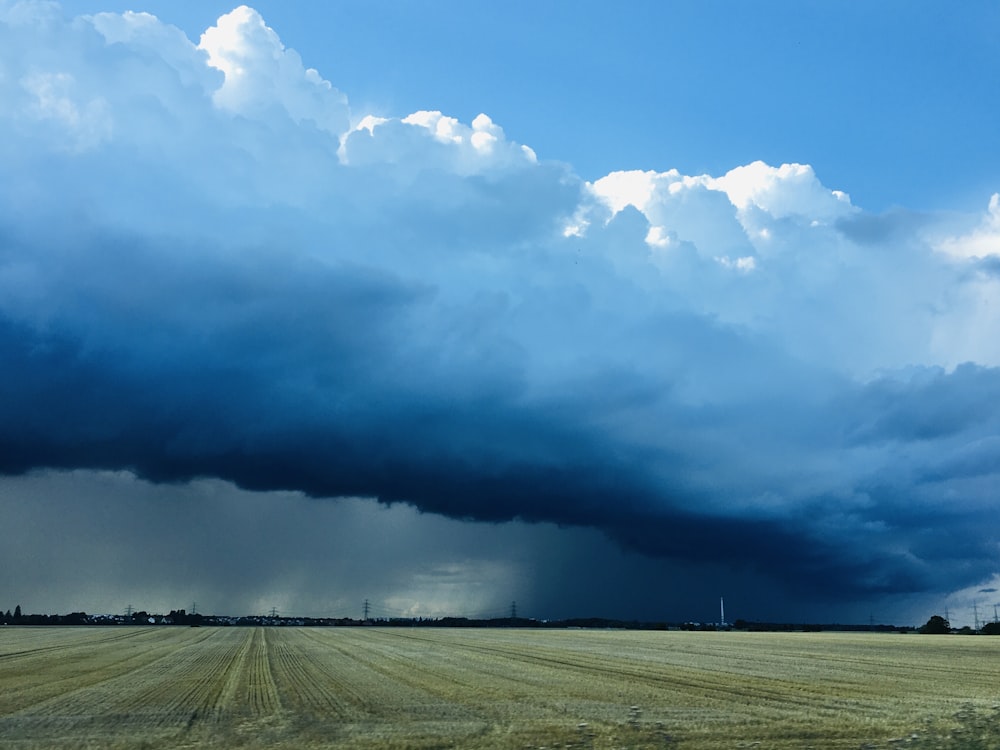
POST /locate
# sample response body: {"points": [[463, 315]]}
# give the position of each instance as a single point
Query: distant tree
{"points": [[937, 625], [17, 613], [991, 628]]}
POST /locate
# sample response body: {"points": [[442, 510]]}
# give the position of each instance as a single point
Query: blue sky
{"points": [[892, 101], [438, 306]]}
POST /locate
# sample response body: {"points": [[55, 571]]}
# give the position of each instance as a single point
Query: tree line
{"points": [[936, 625], [16, 618]]}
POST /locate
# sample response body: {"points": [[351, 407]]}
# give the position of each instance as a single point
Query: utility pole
{"points": [[365, 618]]}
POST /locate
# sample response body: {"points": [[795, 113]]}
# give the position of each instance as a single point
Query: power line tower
{"points": [[365, 618], [975, 613], [194, 608], [274, 612], [513, 610], [129, 611]]}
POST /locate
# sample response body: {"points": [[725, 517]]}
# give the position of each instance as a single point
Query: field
{"points": [[433, 688]]}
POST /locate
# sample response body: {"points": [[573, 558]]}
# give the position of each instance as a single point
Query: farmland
{"points": [[429, 688]]}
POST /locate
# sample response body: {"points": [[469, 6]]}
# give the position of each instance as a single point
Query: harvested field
{"points": [[432, 688]]}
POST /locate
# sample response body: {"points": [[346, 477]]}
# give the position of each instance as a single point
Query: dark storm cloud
{"points": [[222, 283], [990, 266], [931, 404]]}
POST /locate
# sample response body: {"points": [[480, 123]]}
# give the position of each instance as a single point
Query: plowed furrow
{"points": [[148, 697], [67, 639], [185, 690], [704, 686], [227, 697], [360, 692], [312, 691], [59, 678], [364, 671], [263, 693], [354, 688]]}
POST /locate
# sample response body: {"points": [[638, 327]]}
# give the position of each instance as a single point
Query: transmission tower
{"points": [[274, 612], [365, 618], [128, 611], [513, 610], [194, 608]]}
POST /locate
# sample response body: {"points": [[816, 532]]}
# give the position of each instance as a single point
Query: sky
{"points": [[605, 313]]}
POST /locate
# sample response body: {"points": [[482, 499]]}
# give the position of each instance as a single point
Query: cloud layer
{"points": [[211, 267]]}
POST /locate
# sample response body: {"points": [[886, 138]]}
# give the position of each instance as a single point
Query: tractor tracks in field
{"points": [[443, 680], [108, 637], [312, 687], [373, 683], [190, 687], [85, 696], [192, 684], [577, 672], [58, 673], [317, 685], [247, 688]]}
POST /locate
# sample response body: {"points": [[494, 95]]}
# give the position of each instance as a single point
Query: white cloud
{"points": [[261, 74], [743, 265], [791, 190], [981, 242], [431, 140], [29, 12], [85, 122], [631, 188], [756, 197], [144, 32]]}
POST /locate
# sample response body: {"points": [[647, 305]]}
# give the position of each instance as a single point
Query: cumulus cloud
{"points": [[206, 271], [30, 12], [983, 241], [430, 140], [261, 74]]}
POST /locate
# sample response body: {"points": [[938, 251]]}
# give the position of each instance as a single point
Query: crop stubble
{"points": [[424, 688]]}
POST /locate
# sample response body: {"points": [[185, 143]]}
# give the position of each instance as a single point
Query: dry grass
{"points": [[411, 689]]}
